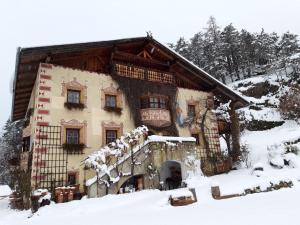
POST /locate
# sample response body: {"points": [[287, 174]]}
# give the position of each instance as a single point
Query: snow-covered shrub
{"points": [[260, 89], [258, 169], [275, 155], [152, 170], [292, 149], [289, 105], [257, 125], [245, 160], [292, 160]]}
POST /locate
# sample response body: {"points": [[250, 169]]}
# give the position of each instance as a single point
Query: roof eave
{"points": [[14, 82]]}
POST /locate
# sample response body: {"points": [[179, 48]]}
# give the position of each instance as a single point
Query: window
{"points": [[72, 178], [191, 110], [163, 104], [73, 96], [110, 101], [154, 102], [196, 136], [111, 136], [72, 136]]}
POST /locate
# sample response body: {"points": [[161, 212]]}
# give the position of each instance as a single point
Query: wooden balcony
{"points": [[143, 73], [156, 117]]}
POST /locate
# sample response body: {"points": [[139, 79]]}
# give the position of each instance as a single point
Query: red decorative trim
{"points": [[39, 118], [43, 111], [45, 88], [44, 99], [39, 177], [41, 136], [42, 124], [46, 77], [46, 65]]}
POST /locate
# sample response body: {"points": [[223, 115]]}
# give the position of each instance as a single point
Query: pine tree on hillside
{"points": [[230, 48], [247, 51], [288, 44], [182, 47], [211, 49], [265, 45], [228, 54], [195, 49]]}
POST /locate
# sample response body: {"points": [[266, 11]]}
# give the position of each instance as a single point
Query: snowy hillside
{"points": [[266, 132]]}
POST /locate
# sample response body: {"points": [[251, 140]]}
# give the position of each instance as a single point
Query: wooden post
{"points": [[235, 132]]}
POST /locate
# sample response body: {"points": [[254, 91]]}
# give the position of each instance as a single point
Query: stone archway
{"points": [[171, 174], [133, 183]]}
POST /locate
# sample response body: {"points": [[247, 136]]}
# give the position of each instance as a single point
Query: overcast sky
{"points": [[34, 23]]}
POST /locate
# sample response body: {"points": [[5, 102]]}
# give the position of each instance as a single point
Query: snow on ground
{"points": [[151, 207], [258, 141], [5, 190]]}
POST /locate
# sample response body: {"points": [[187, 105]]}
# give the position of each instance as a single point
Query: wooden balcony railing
{"points": [[143, 73]]}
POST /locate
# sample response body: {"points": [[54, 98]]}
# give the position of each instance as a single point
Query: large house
{"points": [[76, 98]]}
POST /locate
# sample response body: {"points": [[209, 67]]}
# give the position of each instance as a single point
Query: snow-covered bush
{"points": [[258, 169], [275, 155], [292, 160], [244, 159], [289, 105]]}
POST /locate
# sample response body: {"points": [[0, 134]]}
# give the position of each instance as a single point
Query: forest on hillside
{"points": [[230, 55]]}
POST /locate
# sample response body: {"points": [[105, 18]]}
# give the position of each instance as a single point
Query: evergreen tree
{"points": [[182, 47], [230, 49], [212, 49], [228, 53], [10, 146], [247, 51], [288, 44]]}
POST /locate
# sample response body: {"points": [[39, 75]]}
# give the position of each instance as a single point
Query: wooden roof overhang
{"points": [[104, 52]]}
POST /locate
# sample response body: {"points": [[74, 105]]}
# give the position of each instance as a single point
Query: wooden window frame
{"points": [[78, 135], [111, 126], [112, 91], [69, 91], [147, 102], [74, 85], [189, 107], [113, 139], [107, 96]]}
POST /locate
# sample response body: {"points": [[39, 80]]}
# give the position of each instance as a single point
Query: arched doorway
{"points": [[132, 184], [171, 175]]}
